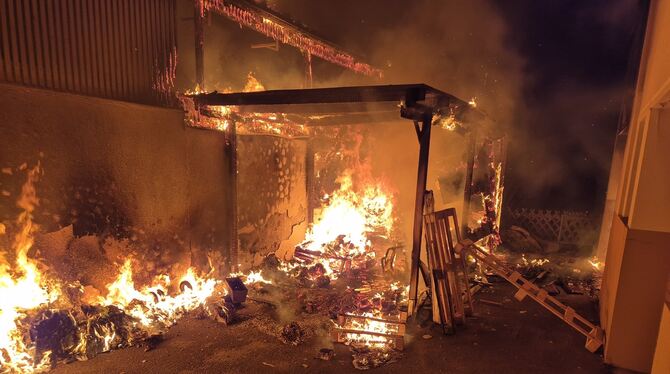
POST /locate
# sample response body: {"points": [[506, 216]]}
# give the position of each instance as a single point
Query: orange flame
{"points": [[157, 307], [22, 288], [353, 217]]}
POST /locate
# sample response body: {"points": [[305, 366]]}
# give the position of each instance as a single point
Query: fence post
{"points": [[560, 228]]}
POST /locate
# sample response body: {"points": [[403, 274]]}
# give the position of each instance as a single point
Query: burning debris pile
{"points": [[47, 316], [336, 274], [45, 319]]}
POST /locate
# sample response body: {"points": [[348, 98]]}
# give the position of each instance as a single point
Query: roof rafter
{"points": [[287, 32]]}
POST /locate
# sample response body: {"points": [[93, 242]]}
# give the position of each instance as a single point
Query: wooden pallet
{"points": [[392, 341], [449, 284], [594, 334], [395, 338]]}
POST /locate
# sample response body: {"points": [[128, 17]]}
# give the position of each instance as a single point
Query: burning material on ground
{"points": [[44, 319], [367, 330], [336, 274]]}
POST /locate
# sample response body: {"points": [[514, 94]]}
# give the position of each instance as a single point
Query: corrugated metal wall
{"points": [[120, 49]]}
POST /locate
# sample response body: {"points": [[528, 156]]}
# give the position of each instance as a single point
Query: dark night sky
{"points": [[581, 69], [554, 73]]}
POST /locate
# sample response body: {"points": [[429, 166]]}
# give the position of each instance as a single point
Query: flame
{"points": [[222, 117], [350, 217], [473, 102], [195, 91], [253, 85], [596, 264], [368, 325], [253, 277], [447, 120], [156, 307], [22, 288]]}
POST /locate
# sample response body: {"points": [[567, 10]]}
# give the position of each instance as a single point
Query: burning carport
{"points": [[309, 216], [341, 106]]}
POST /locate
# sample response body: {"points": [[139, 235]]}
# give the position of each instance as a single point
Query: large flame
{"points": [[352, 216], [349, 218], [22, 288], [152, 306]]}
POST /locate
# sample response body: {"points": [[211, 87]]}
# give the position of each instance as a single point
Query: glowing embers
{"points": [[596, 263], [222, 117], [288, 34]]}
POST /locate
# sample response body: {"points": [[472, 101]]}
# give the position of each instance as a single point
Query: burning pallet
{"points": [[367, 330]]}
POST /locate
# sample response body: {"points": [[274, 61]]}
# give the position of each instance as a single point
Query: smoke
{"points": [[581, 62], [459, 47], [456, 46], [551, 76]]}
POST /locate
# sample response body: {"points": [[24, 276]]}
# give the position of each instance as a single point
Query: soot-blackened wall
{"points": [[271, 195], [117, 169]]}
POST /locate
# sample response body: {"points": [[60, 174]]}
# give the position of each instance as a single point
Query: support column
{"points": [[422, 176], [467, 193], [198, 17], [231, 153], [308, 70], [309, 180]]}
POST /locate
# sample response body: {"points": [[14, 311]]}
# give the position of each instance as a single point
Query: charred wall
{"points": [[271, 197], [114, 169]]}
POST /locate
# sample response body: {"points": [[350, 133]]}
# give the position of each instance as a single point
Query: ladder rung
{"points": [[514, 277], [569, 314]]}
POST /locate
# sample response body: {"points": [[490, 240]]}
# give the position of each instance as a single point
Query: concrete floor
{"points": [[518, 337]]}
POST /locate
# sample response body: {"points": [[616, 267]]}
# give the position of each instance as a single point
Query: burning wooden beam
{"points": [[281, 30]]}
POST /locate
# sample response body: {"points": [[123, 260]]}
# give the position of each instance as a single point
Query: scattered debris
{"points": [[221, 311], [490, 302], [326, 354], [236, 290], [292, 334], [152, 342], [366, 358]]}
